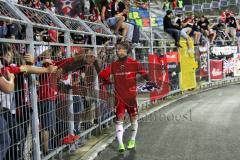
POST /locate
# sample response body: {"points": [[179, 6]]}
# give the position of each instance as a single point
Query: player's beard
{"points": [[122, 58]]}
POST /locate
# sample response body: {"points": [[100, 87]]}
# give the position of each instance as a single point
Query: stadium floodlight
{"points": [[188, 8]]}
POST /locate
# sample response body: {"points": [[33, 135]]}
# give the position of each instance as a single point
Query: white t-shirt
{"points": [[7, 99]]}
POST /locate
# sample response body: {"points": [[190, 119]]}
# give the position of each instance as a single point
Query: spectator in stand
{"points": [[20, 2], [95, 15], [223, 15], [238, 28], [206, 30], [166, 5], [196, 31], [118, 9], [6, 86], [174, 4], [48, 90], [115, 22], [185, 28], [180, 3], [14, 31], [53, 8], [7, 101], [170, 28], [3, 29], [53, 34], [37, 4], [48, 6], [231, 26]]}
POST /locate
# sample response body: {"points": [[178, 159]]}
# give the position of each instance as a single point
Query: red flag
{"points": [[159, 73], [216, 67]]}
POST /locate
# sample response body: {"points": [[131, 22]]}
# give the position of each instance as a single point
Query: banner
{"points": [[188, 66], [228, 66], [172, 61], [236, 71], [173, 69], [223, 51], [216, 68], [203, 65], [158, 72]]}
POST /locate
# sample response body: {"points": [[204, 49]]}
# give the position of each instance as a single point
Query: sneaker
{"points": [[131, 144], [70, 139], [121, 148]]}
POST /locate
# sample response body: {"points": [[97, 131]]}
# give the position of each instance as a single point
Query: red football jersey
{"points": [[124, 75]]}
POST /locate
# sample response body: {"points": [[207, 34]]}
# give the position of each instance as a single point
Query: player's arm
{"points": [[142, 71], [70, 64], [102, 74]]}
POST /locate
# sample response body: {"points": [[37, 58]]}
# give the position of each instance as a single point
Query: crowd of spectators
{"points": [[15, 110], [113, 14], [172, 5], [202, 29]]}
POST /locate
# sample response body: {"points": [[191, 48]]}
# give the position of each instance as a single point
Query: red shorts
{"points": [[121, 107]]}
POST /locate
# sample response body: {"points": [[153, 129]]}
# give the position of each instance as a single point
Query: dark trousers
{"points": [[174, 32]]}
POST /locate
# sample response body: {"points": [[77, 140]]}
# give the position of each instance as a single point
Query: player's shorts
{"points": [[121, 107]]}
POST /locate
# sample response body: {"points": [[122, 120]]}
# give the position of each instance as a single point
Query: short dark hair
{"points": [[169, 12], [125, 45]]}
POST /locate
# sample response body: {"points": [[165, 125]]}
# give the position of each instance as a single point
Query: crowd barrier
{"points": [[44, 113]]}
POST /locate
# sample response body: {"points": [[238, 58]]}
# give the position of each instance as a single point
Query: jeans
{"points": [[174, 32], [130, 32], [5, 140], [47, 114], [78, 108], [184, 32], [3, 31]]}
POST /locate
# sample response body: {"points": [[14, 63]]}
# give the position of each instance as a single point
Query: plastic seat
{"points": [[188, 8], [215, 5], [206, 6], [232, 2], [223, 3], [197, 8], [179, 11]]}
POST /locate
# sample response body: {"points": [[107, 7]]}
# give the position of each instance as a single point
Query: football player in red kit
{"points": [[123, 72]]}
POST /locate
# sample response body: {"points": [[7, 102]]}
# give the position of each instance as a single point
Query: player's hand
{"points": [[90, 58], [29, 59], [52, 69]]}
